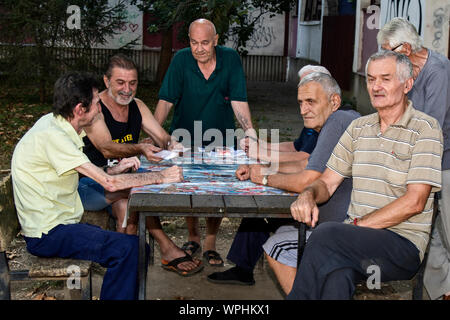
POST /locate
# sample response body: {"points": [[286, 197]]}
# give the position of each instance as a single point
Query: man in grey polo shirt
{"points": [[394, 159], [430, 94]]}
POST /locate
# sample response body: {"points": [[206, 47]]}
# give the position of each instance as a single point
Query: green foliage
{"points": [[229, 16], [32, 32]]}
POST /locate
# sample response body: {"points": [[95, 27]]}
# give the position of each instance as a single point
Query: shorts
{"points": [[283, 245], [92, 195]]}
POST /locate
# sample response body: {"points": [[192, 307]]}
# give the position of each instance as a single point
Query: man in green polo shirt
{"points": [[206, 84]]}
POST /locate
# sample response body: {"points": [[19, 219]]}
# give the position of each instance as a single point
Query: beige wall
{"points": [[437, 15]]}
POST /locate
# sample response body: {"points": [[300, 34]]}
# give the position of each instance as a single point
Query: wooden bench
{"points": [[17, 264]]}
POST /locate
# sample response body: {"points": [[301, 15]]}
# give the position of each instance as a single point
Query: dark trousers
{"points": [[115, 251], [338, 255], [252, 233]]}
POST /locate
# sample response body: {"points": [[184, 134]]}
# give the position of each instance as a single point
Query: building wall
{"points": [[268, 37], [131, 30]]}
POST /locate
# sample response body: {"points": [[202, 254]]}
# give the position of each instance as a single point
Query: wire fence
{"points": [[256, 68]]}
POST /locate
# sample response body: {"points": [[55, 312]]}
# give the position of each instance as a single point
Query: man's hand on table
{"points": [[257, 173], [125, 165], [243, 172], [172, 174]]}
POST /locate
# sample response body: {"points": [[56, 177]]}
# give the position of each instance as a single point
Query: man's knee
{"points": [[92, 194]]}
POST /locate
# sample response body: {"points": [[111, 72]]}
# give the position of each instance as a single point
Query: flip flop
{"points": [[191, 246], [173, 266], [212, 255]]}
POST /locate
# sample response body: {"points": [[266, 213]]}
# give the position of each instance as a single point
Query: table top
{"points": [[210, 188]]}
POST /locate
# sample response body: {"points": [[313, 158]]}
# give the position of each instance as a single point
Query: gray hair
{"points": [[329, 85], [404, 65], [310, 69], [398, 31]]}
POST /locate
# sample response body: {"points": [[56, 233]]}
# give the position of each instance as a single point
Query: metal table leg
{"points": [[142, 271], [301, 241]]}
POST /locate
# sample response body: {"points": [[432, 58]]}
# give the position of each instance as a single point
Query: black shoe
{"points": [[232, 276]]}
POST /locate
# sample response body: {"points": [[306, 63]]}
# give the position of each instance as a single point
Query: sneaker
{"points": [[234, 275]]}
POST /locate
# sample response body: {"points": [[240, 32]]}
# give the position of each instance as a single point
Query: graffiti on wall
{"points": [[267, 39], [129, 32], [413, 10], [439, 16]]}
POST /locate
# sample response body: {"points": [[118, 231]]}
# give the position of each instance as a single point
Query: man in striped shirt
{"points": [[394, 157]]}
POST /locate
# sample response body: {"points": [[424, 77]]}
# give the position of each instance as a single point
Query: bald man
{"points": [[207, 86]]}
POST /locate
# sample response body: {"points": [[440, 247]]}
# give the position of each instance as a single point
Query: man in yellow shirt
{"points": [[45, 167]]}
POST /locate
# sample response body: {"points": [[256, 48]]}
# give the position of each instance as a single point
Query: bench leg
{"points": [[86, 287], [417, 293], [5, 289]]}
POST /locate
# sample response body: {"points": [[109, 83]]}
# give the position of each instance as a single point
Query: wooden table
{"points": [[175, 205]]}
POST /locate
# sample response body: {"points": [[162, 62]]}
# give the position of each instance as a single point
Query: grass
{"points": [[19, 110]]}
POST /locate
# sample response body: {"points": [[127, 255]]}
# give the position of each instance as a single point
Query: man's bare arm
{"points": [[243, 116], [287, 146], [411, 203], [152, 127], [294, 182], [272, 152], [293, 166], [162, 111], [117, 182], [100, 137]]}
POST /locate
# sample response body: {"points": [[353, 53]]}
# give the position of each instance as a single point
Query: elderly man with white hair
{"points": [[287, 151], [430, 94], [393, 157]]}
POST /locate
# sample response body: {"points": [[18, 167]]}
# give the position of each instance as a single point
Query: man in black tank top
{"points": [[114, 136]]}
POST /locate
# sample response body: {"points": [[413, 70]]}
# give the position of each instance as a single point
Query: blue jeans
{"points": [[115, 251], [92, 195]]}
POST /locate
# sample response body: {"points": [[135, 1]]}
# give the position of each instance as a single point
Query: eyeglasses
{"points": [[395, 48]]}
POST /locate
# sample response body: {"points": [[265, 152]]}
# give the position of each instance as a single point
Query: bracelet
{"points": [[355, 221]]}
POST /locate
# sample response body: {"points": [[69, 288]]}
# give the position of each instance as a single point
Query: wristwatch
{"points": [[264, 180]]}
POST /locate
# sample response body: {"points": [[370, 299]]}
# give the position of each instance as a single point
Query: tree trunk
{"points": [[42, 91], [42, 72], [165, 55]]}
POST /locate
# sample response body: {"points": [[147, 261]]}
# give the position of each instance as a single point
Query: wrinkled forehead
{"points": [[124, 74], [383, 66], [311, 90]]}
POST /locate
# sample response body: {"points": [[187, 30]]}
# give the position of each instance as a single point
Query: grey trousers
{"points": [[437, 269]]}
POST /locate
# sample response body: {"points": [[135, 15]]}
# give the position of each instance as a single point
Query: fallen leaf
{"points": [[43, 296]]}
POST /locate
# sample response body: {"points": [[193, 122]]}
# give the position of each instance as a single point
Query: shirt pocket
{"points": [[398, 166]]}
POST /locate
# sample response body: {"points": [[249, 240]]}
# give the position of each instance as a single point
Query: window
{"points": [[311, 10]]}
